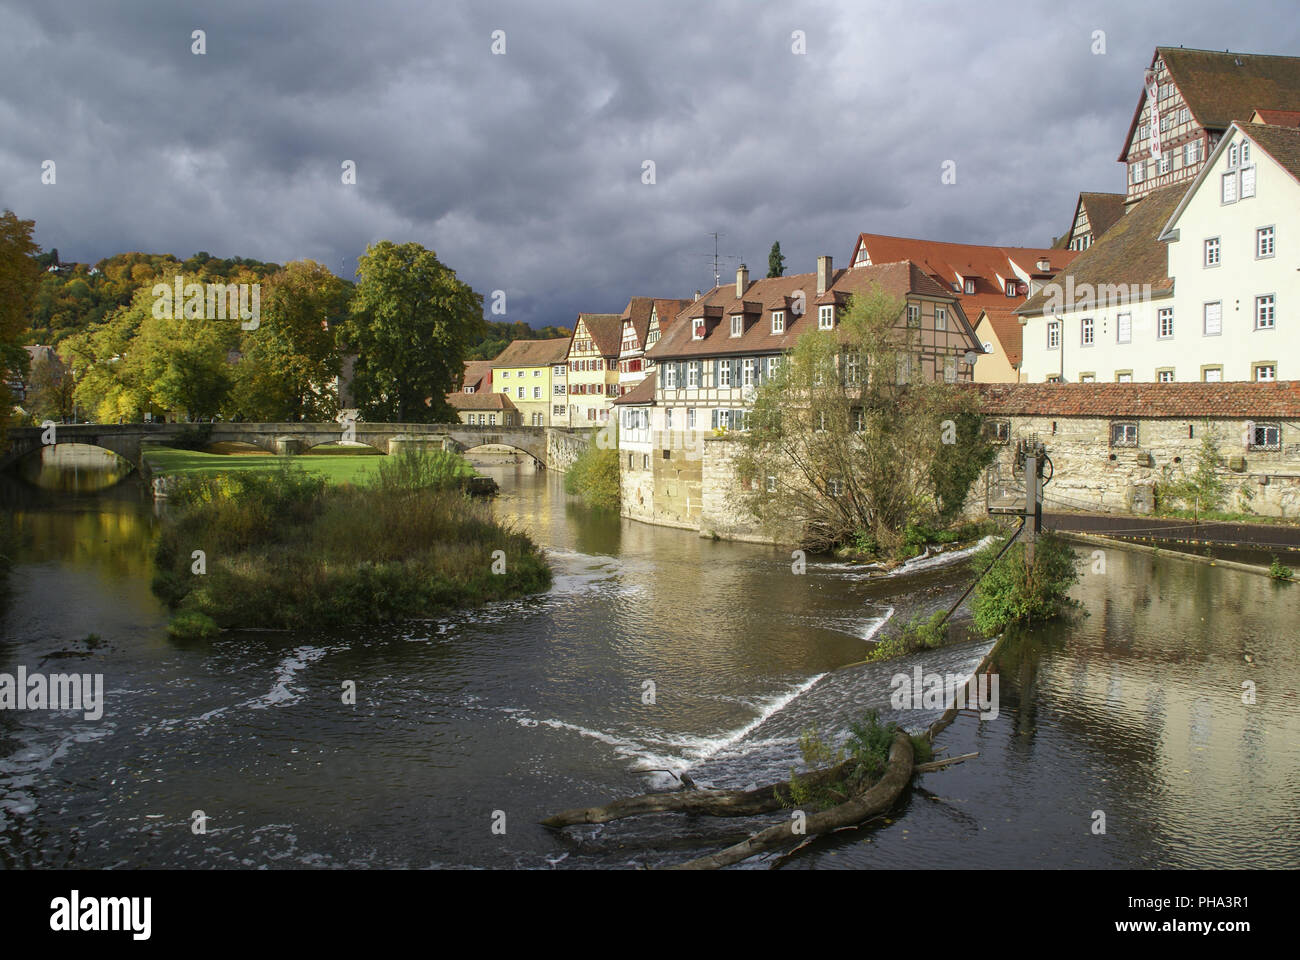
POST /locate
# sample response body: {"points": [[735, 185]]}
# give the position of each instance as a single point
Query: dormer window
{"points": [[970, 285], [826, 317], [737, 324], [697, 329], [1011, 288], [778, 321], [863, 256]]}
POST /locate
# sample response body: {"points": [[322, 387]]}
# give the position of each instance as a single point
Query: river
{"points": [[654, 650]]}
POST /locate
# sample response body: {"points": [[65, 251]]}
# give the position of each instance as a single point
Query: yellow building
{"points": [[593, 368], [532, 374]]}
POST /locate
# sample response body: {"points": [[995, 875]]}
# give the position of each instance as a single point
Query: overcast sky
{"points": [[524, 170]]}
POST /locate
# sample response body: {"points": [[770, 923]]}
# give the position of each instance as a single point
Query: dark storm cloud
{"points": [[524, 171]]}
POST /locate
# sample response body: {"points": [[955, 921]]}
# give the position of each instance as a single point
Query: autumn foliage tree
{"points": [[19, 276]]}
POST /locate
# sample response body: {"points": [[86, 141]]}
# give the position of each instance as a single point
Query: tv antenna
{"points": [[718, 258]]}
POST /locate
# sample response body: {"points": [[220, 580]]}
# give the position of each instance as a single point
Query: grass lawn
{"points": [[167, 461]]}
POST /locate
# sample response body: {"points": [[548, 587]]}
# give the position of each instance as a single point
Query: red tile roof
{"points": [[480, 401], [533, 353], [606, 331], [1279, 118], [763, 296], [1230, 400], [478, 374], [1006, 325]]}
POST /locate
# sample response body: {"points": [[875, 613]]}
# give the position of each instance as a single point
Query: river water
{"points": [[655, 650]]}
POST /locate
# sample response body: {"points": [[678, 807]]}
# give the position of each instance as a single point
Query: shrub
{"points": [[920, 633], [867, 748], [1278, 571], [594, 477], [1013, 593], [192, 625], [422, 470]]}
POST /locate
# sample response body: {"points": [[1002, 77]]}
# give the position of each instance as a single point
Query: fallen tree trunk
{"points": [[879, 798], [713, 803]]}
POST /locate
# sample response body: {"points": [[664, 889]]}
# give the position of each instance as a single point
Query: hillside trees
{"points": [[19, 276]]}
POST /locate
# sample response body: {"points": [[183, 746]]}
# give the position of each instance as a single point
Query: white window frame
{"points": [[697, 328], [1266, 302], [1258, 442], [1257, 368], [1213, 252], [1226, 195], [826, 317], [737, 324], [1087, 331], [1053, 334], [1164, 314], [1205, 319], [778, 321], [724, 373], [693, 375], [1263, 235], [1123, 433], [941, 318]]}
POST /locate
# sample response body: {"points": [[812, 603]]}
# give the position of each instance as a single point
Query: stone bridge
{"points": [[127, 440]]}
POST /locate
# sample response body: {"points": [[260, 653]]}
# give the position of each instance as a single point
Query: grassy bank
{"points": [[337, 466], [288, 548]]}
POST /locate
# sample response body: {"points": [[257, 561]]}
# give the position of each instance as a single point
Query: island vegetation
{"points": [[287, 549]]}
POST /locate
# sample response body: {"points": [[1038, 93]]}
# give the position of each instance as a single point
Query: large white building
{"points": [[1192, 284]]}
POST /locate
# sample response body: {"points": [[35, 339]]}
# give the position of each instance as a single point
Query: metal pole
{"points": [[1033, 516]]}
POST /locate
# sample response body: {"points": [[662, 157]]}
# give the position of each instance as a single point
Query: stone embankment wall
{"points": [[563, 445]]}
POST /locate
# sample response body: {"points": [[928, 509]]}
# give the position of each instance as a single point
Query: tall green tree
{"points": [[290, 359], [413, 323], [775, 261], [19, 276]]}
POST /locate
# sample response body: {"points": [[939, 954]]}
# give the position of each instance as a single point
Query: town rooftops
{"points": [[1220, 86], [479, 401], [642, 393], [1103, 209], [1280, 143], [1129, 253], [478, 374], [1227, 400], [639, 309], [761, 297], [1006, 325], [533, 353], [1279, 118], [605, 330]]}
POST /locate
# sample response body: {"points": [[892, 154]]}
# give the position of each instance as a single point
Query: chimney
{"points": [[823, 274], [697, 294], [742, 280]]}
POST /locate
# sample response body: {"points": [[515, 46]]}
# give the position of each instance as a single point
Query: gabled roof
{"points": [[779, 293], [1278, 118], [1129, 253], [1280, 143], [1220, 86], [533, 353], [638, 310], [642, 393], [605, 330], [1103, 209], [1230, 399], [1006, 325], [480, 401], [667, 310], [476, 373]]}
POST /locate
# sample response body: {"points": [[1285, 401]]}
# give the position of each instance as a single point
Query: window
{"points": [[469, 389], [1264, 315], [1124, 328], [504, 374], [1054, 378], [537, 393], [747, 377], [1087, 331], [1053, 334], [1212, 374], [670, 376], [834, 487], [941, 318], [690, 418], [950, 370], [1087, 378], [537, 372], [1265, 372], [1214, 318], [859, 418], [970, 285], [1264, 243], [558, 371], [913, 314], [557, 410], [697, 329], [668, 419], [1232, 155], [999, 431], [852, 369], [1165, 323], [737, 324], [693, 375], [1166, 162], [1247, 182], [773, 366], [1137, 171], [724, 373], [1212, 252], [1011, 288], [1229, 188], [1184, 115], [771, 484], [825, 317], [1124, 433], [1165, 376], [1124, 377], [1266, 436], [1191, 153], [520, 394], [778, 321], [558, 389]]}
